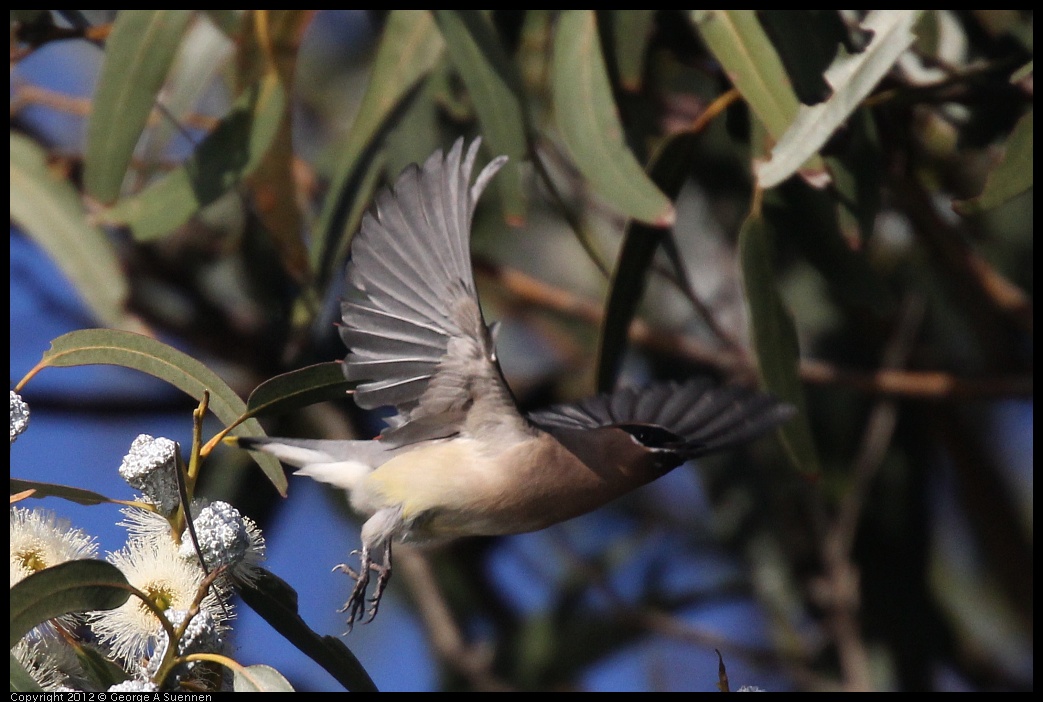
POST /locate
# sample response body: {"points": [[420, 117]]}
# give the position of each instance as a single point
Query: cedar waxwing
{"points": [[458, 458]]}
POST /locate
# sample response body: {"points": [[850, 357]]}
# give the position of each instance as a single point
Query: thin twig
{"points": [[841, 587], [472, 661], [26, 94]]}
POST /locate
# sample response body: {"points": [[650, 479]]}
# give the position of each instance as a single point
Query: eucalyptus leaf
{"points": [[138, 54], [77, 495], [631, 31], [586, 114], [852, 78], [740, 44], [1010, 177], [299, 388], [775, 341], [495, 88], [49, 210], [670, 167], [260, 678], [408, 50], [73, 586], [276, 603], [108, 347], [21, 681], [228, 154]]}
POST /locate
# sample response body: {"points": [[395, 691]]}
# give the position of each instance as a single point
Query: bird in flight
{"points": [[458, 458]]}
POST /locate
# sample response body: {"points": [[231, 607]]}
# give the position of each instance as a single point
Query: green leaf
{"points": [[495, 87], [775, 340], [1010, 177], [228, 21], [1022, 73], [631, 30], [108, 347], [739, 43], [409, 48], [259, 678], [369, 178], [77, 495], [203, 54], [272, 183], [138, 55], [852, 78], [230, 153], [276, 602], [99, 669], [670, 168], [585, 112], [49, 210], [74, 586], [21, 681], [299, 388]]}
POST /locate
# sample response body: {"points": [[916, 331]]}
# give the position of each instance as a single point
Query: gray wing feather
{"points": [[699, 416], [411, 320]]}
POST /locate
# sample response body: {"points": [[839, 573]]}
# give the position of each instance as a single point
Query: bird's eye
{"points": [[652, 435]]}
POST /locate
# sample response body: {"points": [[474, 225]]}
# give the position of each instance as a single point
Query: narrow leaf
{"points": [[1010, 177], [108, 347], [746, 54], [74, 586], [273, 184], [99, 669], [409, 48], [260, 678], [228, 154], [669, 169], [41, 490], [21, 681], [363, 185], [852, 78], [631, 30], [48, 209], [743, 49], [775, 340], [276, 602], [494, 85], [299, 388], [138, 55], [202, 55], [585, 112]]}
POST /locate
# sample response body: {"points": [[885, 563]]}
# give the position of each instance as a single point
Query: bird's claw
{"points": [[356, 603]]}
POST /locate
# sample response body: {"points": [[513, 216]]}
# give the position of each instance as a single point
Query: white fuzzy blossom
{"points": [[226, 538], [19, 415], [151, 467], [169, 581], [39, 539], [135, 686], [50, 661]]}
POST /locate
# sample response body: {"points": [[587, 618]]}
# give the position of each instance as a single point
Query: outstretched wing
{"points": [[411, 318], [688, 419]]}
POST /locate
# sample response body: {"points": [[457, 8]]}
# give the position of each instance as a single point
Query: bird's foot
{"points": [[356, 603]]}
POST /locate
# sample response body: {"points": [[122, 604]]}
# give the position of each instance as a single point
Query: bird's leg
{"points": [[383, 575], [357, 600]]}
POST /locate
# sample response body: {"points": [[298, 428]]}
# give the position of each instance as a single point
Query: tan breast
{"points": [[465, 487]]}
